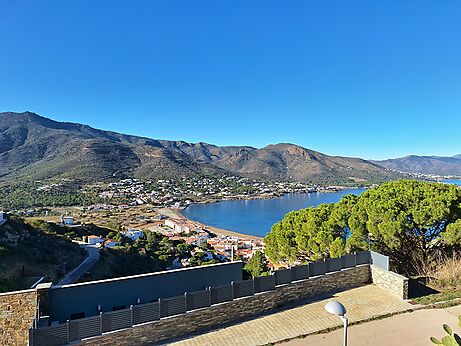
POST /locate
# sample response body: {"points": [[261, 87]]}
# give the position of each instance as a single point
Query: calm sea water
{"points": [[256, 217], [452, 181]]}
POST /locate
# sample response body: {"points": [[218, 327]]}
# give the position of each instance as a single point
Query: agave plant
{"points": [[452, 339]]}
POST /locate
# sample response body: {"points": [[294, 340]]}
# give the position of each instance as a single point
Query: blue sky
{"points": [[374, 79]]}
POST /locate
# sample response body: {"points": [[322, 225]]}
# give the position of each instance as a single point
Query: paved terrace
{"points": [[409, 329], [305, 318]]}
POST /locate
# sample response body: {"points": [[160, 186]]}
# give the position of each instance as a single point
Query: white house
{"points": [[133, 233], [67, 220], [179, 225], [94, 239], [110, 243]]}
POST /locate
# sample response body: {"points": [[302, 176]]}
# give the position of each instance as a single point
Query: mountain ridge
{"points": [[438, 165], [36, 147]]}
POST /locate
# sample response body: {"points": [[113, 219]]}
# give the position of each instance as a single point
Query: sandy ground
{"points": [[220, 231], [409, 329]]}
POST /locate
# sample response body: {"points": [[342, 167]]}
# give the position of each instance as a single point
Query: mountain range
{"points": [[439, 165], [35, 148]]}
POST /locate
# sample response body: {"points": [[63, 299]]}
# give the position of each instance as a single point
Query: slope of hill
{"points": [[27, 253], [33, 147], [425, 164]]}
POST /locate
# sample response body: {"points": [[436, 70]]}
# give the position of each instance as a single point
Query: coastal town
{"points": [[181, 192]]}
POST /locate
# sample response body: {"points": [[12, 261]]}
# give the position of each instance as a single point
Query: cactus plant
{"points": [[452, 339]]}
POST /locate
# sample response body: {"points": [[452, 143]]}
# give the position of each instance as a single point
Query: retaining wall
{"points": [[206, 318], [17, 311], [390, 281]]}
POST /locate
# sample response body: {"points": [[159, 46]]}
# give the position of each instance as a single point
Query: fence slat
{"points": [[221, 294], [363, 257], [146, 312], [198, 300], [317, 268], [300, 272], [172, 306], [84, 328], [264, 283], [332, 265], [243, 288], [348, 261], [282, 276], [50, 336]]}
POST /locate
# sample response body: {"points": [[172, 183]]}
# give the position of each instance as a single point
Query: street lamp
{"points": [[338, 309]]}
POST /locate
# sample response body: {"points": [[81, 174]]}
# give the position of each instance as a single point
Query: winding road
{"points": [[90, 260]]}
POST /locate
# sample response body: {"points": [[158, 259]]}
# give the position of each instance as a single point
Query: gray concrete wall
{"points": [[85, 297]]}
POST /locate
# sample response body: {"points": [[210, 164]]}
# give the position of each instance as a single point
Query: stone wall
{"points": [[235, 310], [17, 311], [390, 281]]}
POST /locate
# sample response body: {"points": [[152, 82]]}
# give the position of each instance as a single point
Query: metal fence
{"points": [[79, 329]]}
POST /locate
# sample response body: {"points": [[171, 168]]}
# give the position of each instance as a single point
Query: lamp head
{"points": [[335, 308]]}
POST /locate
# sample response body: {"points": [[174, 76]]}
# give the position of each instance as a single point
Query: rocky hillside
{"points": [[425, 164], [33, 147], [28, 253]]}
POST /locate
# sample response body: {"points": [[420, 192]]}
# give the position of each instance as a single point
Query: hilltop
{"points": [[33, 147]]}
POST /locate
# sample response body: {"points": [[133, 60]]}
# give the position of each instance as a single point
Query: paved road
{"points": [[90, 260], [307, 317], [409, 329]]}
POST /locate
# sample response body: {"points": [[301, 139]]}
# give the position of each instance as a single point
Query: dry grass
{"points": [[445, 274]]}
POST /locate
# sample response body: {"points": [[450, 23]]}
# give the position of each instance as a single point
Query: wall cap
{"points": [[44, 286]]}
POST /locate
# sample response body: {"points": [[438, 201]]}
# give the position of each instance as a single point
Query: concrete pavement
{"points": [[305, 318], [90, 260], [409, 329]]}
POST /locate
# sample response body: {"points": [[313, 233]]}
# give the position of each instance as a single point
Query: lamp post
{"points": [[338, 309]]}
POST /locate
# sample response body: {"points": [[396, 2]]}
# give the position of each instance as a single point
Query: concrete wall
{"points": [[17, 311], [390, 281], [235, 310]]}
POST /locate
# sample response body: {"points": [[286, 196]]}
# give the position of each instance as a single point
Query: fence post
{"points": [[67, 331], [131, 315], [31, 337], [100, 323]]}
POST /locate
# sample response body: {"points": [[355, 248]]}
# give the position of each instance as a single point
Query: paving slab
{"points": [[362, 303], [409, 329]]}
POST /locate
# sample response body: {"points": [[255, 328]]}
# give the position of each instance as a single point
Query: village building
{"points": [[67, 220], [110, 243], [179, 225], [133, 234], [94, 239]]}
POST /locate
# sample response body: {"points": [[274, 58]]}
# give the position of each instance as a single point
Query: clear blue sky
{"points": [[374, 79]]}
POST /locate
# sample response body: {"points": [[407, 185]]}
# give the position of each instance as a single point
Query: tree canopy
{"points": [[257, 265], [407, 219]]}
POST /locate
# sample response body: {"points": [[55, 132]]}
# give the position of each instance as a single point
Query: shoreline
{"points": [[225, 232], [270, 196], [218, 231]]}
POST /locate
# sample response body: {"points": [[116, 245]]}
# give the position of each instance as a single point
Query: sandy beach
{"points": [[175, 213]]}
